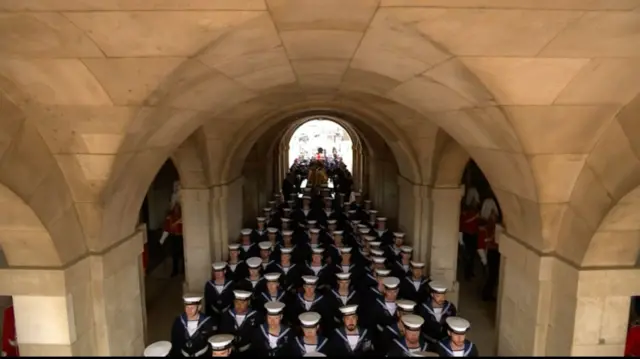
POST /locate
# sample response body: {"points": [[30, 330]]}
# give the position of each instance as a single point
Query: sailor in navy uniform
{"points": [[236, 268], [272, 292], [191, 330], [158, 349], [402, 267], [332, 225], [311, 340], [310, 300], [371, 218], [457, 345], [415, 286], [370, 279], [313, 237], [240, 321], [327, 212], [393, 250], [384, 235], [342, 295], [435, 310], [286, 218], [273, 338], [394, 330], [248, 249], [266, 254], [333, 250], [305, 213], [351, 339], [367, 206], [259, 234], [218, 292], [273, 236], [345, 265], [382, 311], [411, 341], [287, 242], [221, 345], [317, 268], [254, 282], [291, 277]]}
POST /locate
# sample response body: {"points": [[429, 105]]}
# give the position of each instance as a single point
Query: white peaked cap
{"points": [[241, 294], [158, 349], [437, 287], [261, 219], [362, 226], [337, 233], [412, 321], [276, 196], [234, 246], [381, 219], [345, 250], [369, 238], [306, 197], [398, 234], [286, 250], [274, 308], [356, 221], [349, 309], [377, 252], [378, 260], [272, 230], [328, 199], [343, 276], [286, 210], [315, 355], [458, 325], [310, 279], [265, 245], [391, 282], [309, 319], [246, 231], [220, 341], [254, 262], [287, 232], [406, 305], [406, 249], [272, 277], [312, 222], [331, 221], [367, 201], [318, 250], [424, 354], [351, 211], [417, 264], [267, 209], [373, 211], [314, 230], [192, 298], [375, 244], [219, 265], [381, 272], [364, 230]]}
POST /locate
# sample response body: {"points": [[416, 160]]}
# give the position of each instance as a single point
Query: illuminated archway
{"points": [[322, 133]]}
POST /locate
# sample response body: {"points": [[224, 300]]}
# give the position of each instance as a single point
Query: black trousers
{"points": [[177, 253], [493, 273], [470, 252]]}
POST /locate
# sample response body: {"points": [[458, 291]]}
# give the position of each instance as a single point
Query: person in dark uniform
{"points": [[415, 286], [191, 330], [411, 341], [240, 321], [218, 292], [236, 268], [457, 345], [333, 250], [266, 254], [342, 295], [289, 185], [273, 338], [351, 339], [272, 292], [221, 345], [291, 276], [158, 349], [393, 250], [395, 330], [248, 249], [402, 267], [253, 282], [384, 235], [310, 300], [259, 234], [382, 311], [310, 340], [435, 311], [273, 236], [316, 268]]}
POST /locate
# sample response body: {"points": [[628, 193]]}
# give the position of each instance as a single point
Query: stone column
{"points": [[356, 171], [414, 216], [444, 237], [197, 241], [90, 308], [226, 216]]}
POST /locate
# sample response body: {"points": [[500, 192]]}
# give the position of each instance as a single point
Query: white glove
{"points": [[483, 256], [165, 234], [460, 236]]}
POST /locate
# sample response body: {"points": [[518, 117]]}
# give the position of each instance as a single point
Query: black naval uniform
{"points": [[243, 333], [218, 301], [298, 348], [290, 278], [298, 306], [184, 344], [417, 291], [237, 271], [340, 345], [444, 349], [433, 328], [335, 301], [261, 345]]}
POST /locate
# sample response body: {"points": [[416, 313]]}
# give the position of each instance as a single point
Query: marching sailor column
{"points": [[197, 244], [225, 206], [444, 237]]}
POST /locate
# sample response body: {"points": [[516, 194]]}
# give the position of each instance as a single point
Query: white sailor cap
{"points": [[351, 211], [286, 219], [406, 249], [246, 231], [378, 260], [356, 221], [362, 226], [417, 264], [375, 244], [343, 276], [328, 199], [314, 230], [331, 221], [365, 231], [314, 355], [274, 308], [306, 198], [383, 272], [234, 246], [261, 219], [312, 222], [398, 234], [158, 349], [367, 201], [275, 196], [345, 250], [309, 319], [241, 294], [310, 279], [425, 354], [267, 209], [412, 321], [369, 238], [272, 230], [458, 325], [349, 309], [377, 252], [190, 299], [286, 250], [272, 277], [219, 266], [342, 194], [437, 287], [391, 282], [406, 305], [318, 250], [265, 245], [337, 233], [287, 232], [381, 219], [254, 262], [373, 211], [220, 341]]}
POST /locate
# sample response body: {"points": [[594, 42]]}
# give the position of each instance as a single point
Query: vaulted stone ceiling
{"points": [[543, 94]]}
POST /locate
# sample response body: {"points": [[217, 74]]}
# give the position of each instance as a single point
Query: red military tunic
{"points": [[632, 349]]}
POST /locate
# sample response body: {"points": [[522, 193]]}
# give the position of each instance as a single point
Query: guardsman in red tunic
{"points": [[173, 225]]}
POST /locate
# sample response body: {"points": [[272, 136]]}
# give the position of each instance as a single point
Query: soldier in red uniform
{"points": [[173, 225], [9, 338]]}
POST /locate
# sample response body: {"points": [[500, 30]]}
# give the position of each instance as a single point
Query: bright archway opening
{"points": [[325, 134]]}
